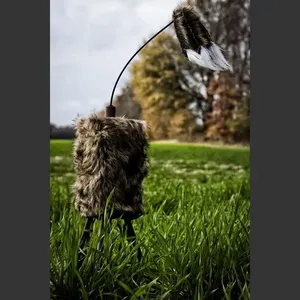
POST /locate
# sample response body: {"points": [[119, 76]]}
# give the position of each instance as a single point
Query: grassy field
{"points": [[195, 236]]}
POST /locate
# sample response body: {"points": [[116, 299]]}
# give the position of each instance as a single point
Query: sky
{"points": [[90, 42]]}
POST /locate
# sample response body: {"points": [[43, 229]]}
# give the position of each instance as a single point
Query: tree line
{"points": [[61, 132]]}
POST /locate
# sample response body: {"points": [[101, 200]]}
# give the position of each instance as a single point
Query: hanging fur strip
{"points": [[110, 155], [196, 41]]}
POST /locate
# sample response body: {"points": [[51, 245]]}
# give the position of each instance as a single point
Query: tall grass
{"points": [[194, 235]]}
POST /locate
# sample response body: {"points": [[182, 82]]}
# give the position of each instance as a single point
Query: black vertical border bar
{"points": [[275, 150], [25, 94]]}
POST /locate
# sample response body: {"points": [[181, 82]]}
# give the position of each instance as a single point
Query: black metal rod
{"points": [[131, 236], [112, 94], [85, 239]]}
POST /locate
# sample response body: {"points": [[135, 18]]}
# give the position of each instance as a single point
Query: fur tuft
{"points": [[196, 41], [109, 154]]}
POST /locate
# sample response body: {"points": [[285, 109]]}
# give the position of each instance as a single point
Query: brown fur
{"points": [[109, 154]]}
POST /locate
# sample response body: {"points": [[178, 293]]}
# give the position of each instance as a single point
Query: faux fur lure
{"points": [[110, 154], [196, 41]]}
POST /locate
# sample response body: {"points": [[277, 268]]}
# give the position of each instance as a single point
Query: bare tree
{"points": [[229, 24]]}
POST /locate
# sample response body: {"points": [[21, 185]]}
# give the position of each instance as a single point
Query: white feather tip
{"points": [[210, 58]]}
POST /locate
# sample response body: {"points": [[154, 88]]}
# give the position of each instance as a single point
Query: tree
{"points": [[218, 121], [127, 105], [163, 90], [229, 24]]}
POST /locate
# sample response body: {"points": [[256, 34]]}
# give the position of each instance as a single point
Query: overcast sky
{"points": [[91, 41]]}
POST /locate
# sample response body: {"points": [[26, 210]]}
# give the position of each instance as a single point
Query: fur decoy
{"points": [[195, 40], [110, 159], [110, 153]]}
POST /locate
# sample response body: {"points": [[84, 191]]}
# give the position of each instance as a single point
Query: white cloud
{"points": [[91, 41]]}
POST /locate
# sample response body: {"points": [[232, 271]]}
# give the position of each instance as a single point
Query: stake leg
{"points": [[132, 236], [85, 239]]}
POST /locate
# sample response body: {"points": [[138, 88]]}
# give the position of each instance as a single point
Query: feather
{"points": [[195, 40], [203, 60], [218, 57]]}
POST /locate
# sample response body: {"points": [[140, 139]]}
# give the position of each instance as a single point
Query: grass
{"points": [[194, 237]]}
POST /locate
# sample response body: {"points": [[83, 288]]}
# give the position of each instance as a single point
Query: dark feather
{"points": [[195, 40], [189, 29]]}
